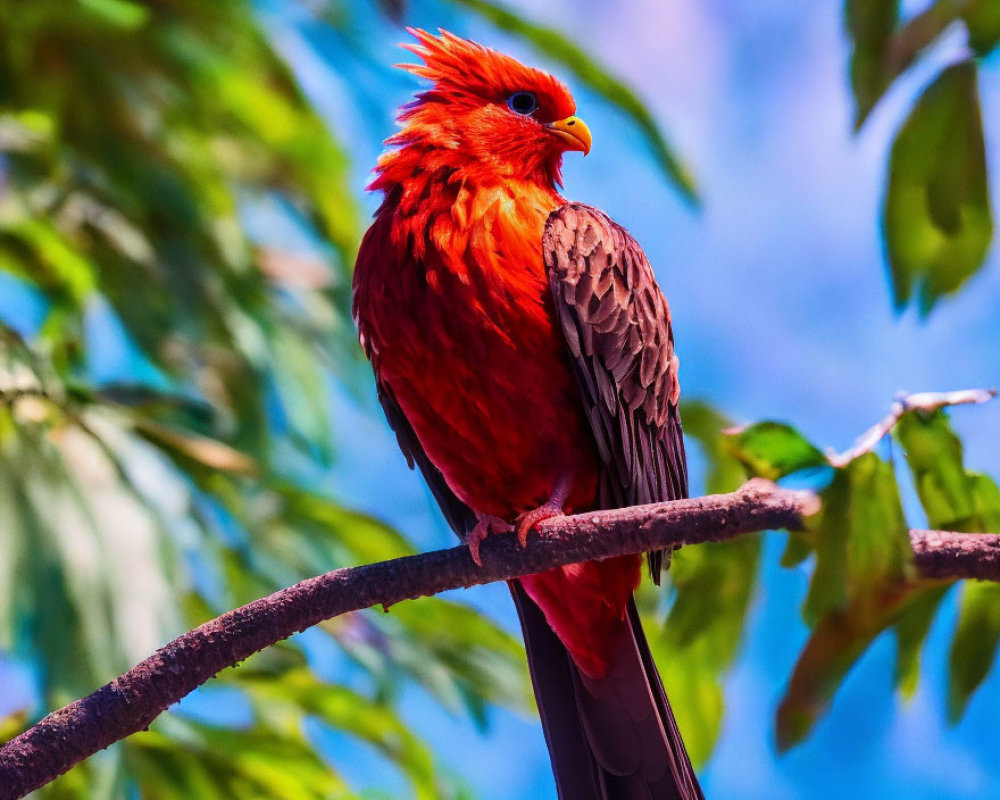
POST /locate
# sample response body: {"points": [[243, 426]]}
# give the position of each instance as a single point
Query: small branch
{"points": [[130, 703], [920, 401], [944, 554]]}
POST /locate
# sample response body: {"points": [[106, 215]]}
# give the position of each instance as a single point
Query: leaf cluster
{"points": [[862, 582], [936, 218]]}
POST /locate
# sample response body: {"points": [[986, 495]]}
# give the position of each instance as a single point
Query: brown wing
{"points": [[617, 328]]}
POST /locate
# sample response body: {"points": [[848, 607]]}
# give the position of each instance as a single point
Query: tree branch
{"points": [[945, 554], [919, 401], [131, 702]]}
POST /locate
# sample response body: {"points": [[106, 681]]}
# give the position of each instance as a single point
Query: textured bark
{"points": [[944, 554], [131, 702]]}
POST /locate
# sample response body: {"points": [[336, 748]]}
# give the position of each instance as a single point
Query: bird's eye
{"points": [[523, 103]]}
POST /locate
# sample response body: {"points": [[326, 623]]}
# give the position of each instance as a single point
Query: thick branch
{"points": [[944, 554], [130, 703]]}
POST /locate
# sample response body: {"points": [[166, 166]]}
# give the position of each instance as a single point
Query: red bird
{"points": [[523, 355]]}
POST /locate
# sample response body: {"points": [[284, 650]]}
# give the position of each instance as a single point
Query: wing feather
{"points": [[617, 328]]}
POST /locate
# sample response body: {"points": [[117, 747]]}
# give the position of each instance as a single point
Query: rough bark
{"points": [[131, 702], [945, 554]]}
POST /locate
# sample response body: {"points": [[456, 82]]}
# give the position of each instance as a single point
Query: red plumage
{"points": [[455, 309]]}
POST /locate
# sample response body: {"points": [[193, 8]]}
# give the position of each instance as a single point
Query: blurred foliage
{"points": [[695, 632], [936, 218], [856, 552], [938, 224]]}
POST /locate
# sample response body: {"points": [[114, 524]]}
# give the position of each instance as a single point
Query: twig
{"points": [[919, 401], [130, 703]]}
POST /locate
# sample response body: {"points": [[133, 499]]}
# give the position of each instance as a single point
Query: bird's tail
{"points": [[609, 739]]}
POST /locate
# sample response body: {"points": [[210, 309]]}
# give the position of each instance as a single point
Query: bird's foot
{"points": [[526, 522], [486, 525]]}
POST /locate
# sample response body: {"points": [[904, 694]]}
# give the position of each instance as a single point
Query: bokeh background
{"points": [[782, 310]]}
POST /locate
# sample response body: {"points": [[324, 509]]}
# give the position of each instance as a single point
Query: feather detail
{"points": [[618, 325], [516, 340]]}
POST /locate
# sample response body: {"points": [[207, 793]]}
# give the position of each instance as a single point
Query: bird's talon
{"points": [[527, 521], [486, 525]]}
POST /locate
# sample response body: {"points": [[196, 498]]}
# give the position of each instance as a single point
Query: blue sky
{"points": [[781, 310]]}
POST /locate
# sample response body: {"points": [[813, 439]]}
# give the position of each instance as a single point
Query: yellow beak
{"points": [[574, 132]]}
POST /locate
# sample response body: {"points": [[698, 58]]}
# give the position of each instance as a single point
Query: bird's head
{"points": [[486, 114]]}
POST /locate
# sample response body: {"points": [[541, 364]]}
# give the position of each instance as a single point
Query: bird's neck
{"points": [[432, 163], [444, 217], [427, 186]]}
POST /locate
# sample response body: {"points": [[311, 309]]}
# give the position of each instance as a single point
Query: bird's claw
{"points": [[489, 525], [529, 519], [486, 525]]}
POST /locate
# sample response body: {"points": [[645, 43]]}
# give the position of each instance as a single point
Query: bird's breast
{"points": [[463, 332]]}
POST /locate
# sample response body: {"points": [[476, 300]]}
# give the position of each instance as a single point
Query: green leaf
{"points": [[13, 724], [203, 450], [460, 656], [834, 645], [180, 759], [937, 220], [911, 631], [120, 13], [706, 425], [60, 266], [302, 392], [884, 50], [974, 644], [870, 24], [985, 501], [165, 407], [956, 499], [773, 450], [861, 538], [982, 19], [797, 549], [828, 589], [354, 538], [879, 542], [952, 498], [348, 711], [556, 46], [699, 640], [861, 584]]}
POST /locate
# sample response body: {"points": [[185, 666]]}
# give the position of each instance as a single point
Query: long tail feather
{"points": [[609, 739]]}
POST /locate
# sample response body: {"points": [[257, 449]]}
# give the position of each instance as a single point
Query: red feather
{"points": [[454, 300], [455, 311]]}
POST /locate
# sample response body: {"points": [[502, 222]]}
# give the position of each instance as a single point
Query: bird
{"points": [[523, 356]]}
